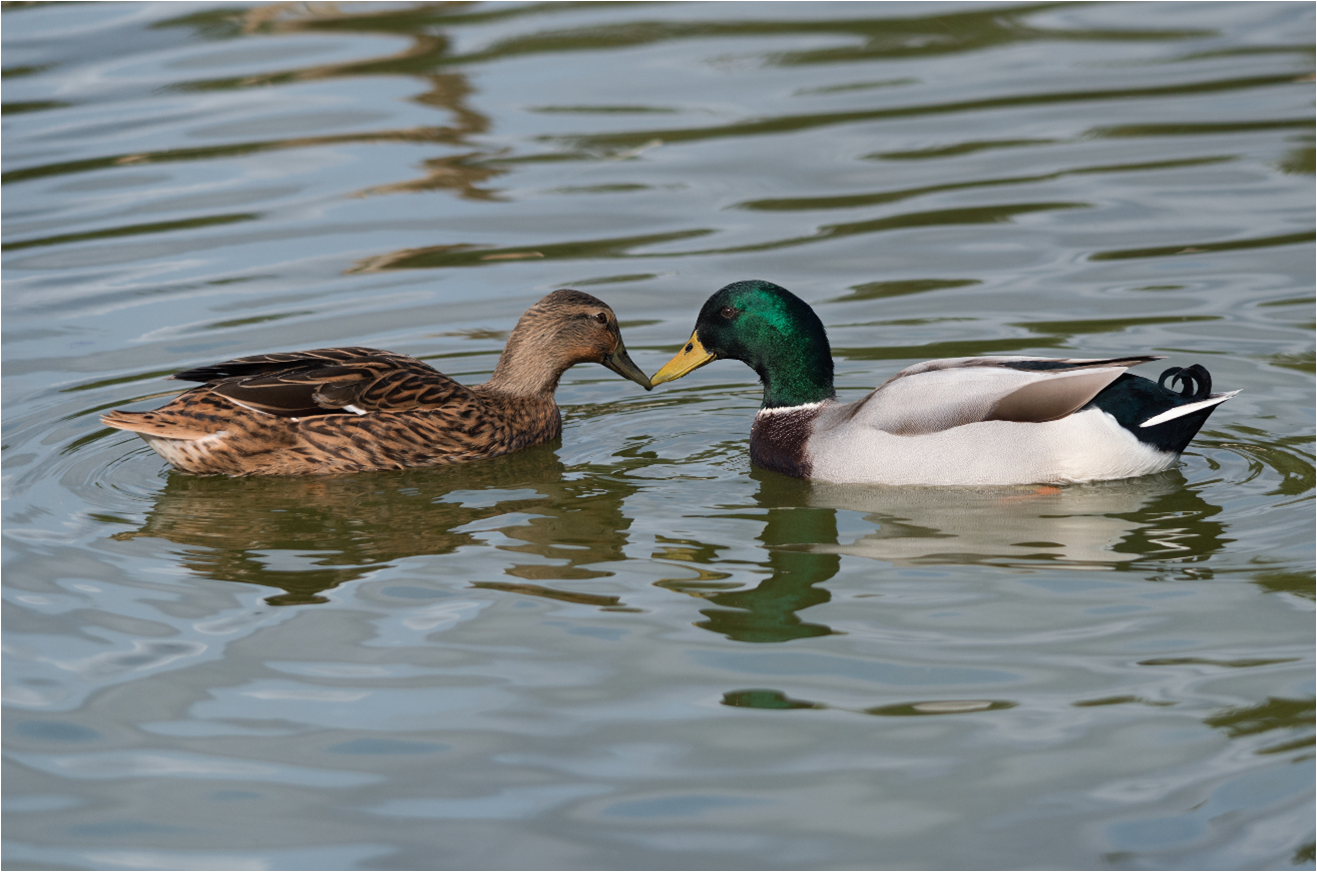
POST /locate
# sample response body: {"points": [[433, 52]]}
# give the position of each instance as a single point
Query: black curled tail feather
{"points": [[1196, 381]]}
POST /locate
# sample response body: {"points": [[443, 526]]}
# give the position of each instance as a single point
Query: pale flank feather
{"points": [[1086, 446], [981, 421]]}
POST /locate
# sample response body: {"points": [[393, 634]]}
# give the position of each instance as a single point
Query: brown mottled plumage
{"points": [[354, 409]]}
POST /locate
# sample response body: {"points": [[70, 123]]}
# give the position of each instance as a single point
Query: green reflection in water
{"points": [[1289, 456], [566, 596], [241, 149], [950, 348], [599, 189], [853, 201], [19, 108], [1297, 582], [795, 123], [1202, 129], [940, 707], [603, 110], [121, 380], [434, 257], [1205, 247], [1299, 161], [1081, 327], [884, 290], [1178, 525], [767, 698], [464, 254], [1303, 361], [1243, 663], [255, 319], [617, 280], [1274, 714], [767, 612], [134, 230], [960, 148], [29, 70], [1118, 700], [998, 214]]}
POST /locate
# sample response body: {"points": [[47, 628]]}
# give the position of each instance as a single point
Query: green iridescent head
{"points": [[772, 331]]}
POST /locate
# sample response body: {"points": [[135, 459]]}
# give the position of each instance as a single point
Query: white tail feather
{"points": [[1172, 414]]}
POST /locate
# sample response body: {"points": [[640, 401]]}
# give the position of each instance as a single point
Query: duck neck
{"points": [[797, 373], [523, 372]]}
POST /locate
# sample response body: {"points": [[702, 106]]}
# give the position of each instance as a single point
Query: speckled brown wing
{"points": [[334, 410]]}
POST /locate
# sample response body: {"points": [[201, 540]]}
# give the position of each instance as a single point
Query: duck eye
{"points": [[601, 317], [729, 312]]}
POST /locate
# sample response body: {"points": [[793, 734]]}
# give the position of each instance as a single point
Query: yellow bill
{"points": [[689, 359]]}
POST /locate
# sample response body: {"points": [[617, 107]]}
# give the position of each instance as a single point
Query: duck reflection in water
{"points": [[1145, 523], [1100, 525], [306, 535], [767, 612]]}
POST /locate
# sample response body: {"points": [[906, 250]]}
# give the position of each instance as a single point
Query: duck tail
{"points": [[152, 424], [1160, 415]]}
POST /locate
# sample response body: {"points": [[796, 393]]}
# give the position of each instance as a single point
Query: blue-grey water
{"points": [[629, 649]]}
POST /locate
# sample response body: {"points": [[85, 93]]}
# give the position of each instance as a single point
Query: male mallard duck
{"points": [[961, 421], [354, 409]]}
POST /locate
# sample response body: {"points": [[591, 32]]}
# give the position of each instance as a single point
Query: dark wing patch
{"points": [[268, 364], [328, 381], [270, 395], [1053, 365]]}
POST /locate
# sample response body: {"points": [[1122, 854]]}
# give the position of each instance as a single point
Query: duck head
{"points": [[563, 329], [772, 331]]}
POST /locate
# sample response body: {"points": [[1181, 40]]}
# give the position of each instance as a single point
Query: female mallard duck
{"points": [[354, 409], [961, 421]]}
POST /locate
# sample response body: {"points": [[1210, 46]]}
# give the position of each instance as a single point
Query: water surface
{"points": [[628, 648]]}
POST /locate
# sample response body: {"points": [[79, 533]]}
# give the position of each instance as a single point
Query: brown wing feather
{"points": [[328, 380], [1052, 399], [284, 361]]}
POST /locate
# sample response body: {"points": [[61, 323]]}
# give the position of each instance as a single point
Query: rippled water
{"points": [[629, 648]]}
